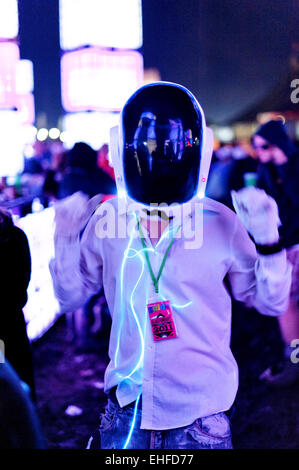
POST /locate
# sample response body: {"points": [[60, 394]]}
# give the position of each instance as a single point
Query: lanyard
{"points": [[155, 279]]}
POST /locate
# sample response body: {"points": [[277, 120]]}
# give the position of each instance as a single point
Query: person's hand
{"points": [[279, 157], [258, 212], [73, 213]]}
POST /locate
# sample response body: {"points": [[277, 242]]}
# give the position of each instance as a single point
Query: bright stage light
{"points": [[24, 77], [63, 136], [94, 79], [28, 134], [9, 57], [29, 151], [224, 134], [9, 21], [54, 133], [42, 308], [11, 143], [25, 106], [105, 23], [92, 128], [42, 134]]}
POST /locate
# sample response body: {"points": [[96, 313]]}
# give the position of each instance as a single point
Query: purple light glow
{"points": [[99, 80]]}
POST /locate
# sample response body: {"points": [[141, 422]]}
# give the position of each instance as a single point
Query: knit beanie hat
{"points": [[274, 132]]}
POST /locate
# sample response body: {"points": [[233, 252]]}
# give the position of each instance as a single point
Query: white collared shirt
{"points": [[195, 374]]}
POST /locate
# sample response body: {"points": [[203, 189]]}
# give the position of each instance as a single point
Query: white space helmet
{"points": [[161, 151]]}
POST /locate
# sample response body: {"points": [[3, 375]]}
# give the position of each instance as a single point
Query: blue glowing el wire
{"points": [[176, 306], [166, 234], [126, 257], [121, 298], [138, 253], [140, 360], [133, 423]]}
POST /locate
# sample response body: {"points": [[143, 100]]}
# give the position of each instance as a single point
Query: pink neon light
{"points": [[9, 56], [25, 105], [99, 80]]}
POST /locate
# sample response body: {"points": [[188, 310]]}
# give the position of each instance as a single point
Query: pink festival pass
{"points": [[161, 318]]}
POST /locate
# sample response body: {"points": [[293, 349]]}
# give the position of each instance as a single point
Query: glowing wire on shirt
{"points": [[137, 253], [128, 255], [177, 306], [122, 296], [136, 318], [133, 423]]}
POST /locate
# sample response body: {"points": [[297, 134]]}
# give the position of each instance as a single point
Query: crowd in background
{"points": [[270, 161], [52, 173]]}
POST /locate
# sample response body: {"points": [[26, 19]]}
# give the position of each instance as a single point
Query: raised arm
{"points": [[259, 275], [77, 267]]}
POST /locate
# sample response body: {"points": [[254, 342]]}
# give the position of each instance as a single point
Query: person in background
{"points": [[231, 163], [14, 279], [218, 186], [54, 176], [83, 174], [243, 163], [19, 425], [278, 175], [103, 161]]}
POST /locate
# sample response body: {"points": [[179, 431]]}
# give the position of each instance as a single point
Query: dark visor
{"points": [[162, 145]]}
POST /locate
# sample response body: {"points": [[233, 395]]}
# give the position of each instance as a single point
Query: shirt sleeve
{"points": [[260, 281], [76, 269]]}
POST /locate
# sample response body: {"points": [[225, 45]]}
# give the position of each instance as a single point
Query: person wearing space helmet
{"points": [[172, 375]]}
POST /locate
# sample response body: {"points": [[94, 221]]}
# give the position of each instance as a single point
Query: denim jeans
{"points": [[211, 432]]}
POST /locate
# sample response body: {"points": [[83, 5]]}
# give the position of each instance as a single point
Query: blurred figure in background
{"points": [[228, 169], [83, 174], [14, 279], [218, 186], [103, 161], [55, 175], [278, 175], [243, 163], [19, 425]]}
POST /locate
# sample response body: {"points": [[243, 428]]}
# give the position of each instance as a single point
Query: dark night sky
{"points": [[229, 53]]}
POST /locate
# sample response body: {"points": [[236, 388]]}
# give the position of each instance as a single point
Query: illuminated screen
{"points": [[9, 22], [42, 308], [11, 143], [106, 23], [98, 80], [9, 57], [24, 76], [92, 128], [25, 106]]}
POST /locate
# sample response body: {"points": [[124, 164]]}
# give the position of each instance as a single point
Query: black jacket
{"points": [[14, 279]]}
